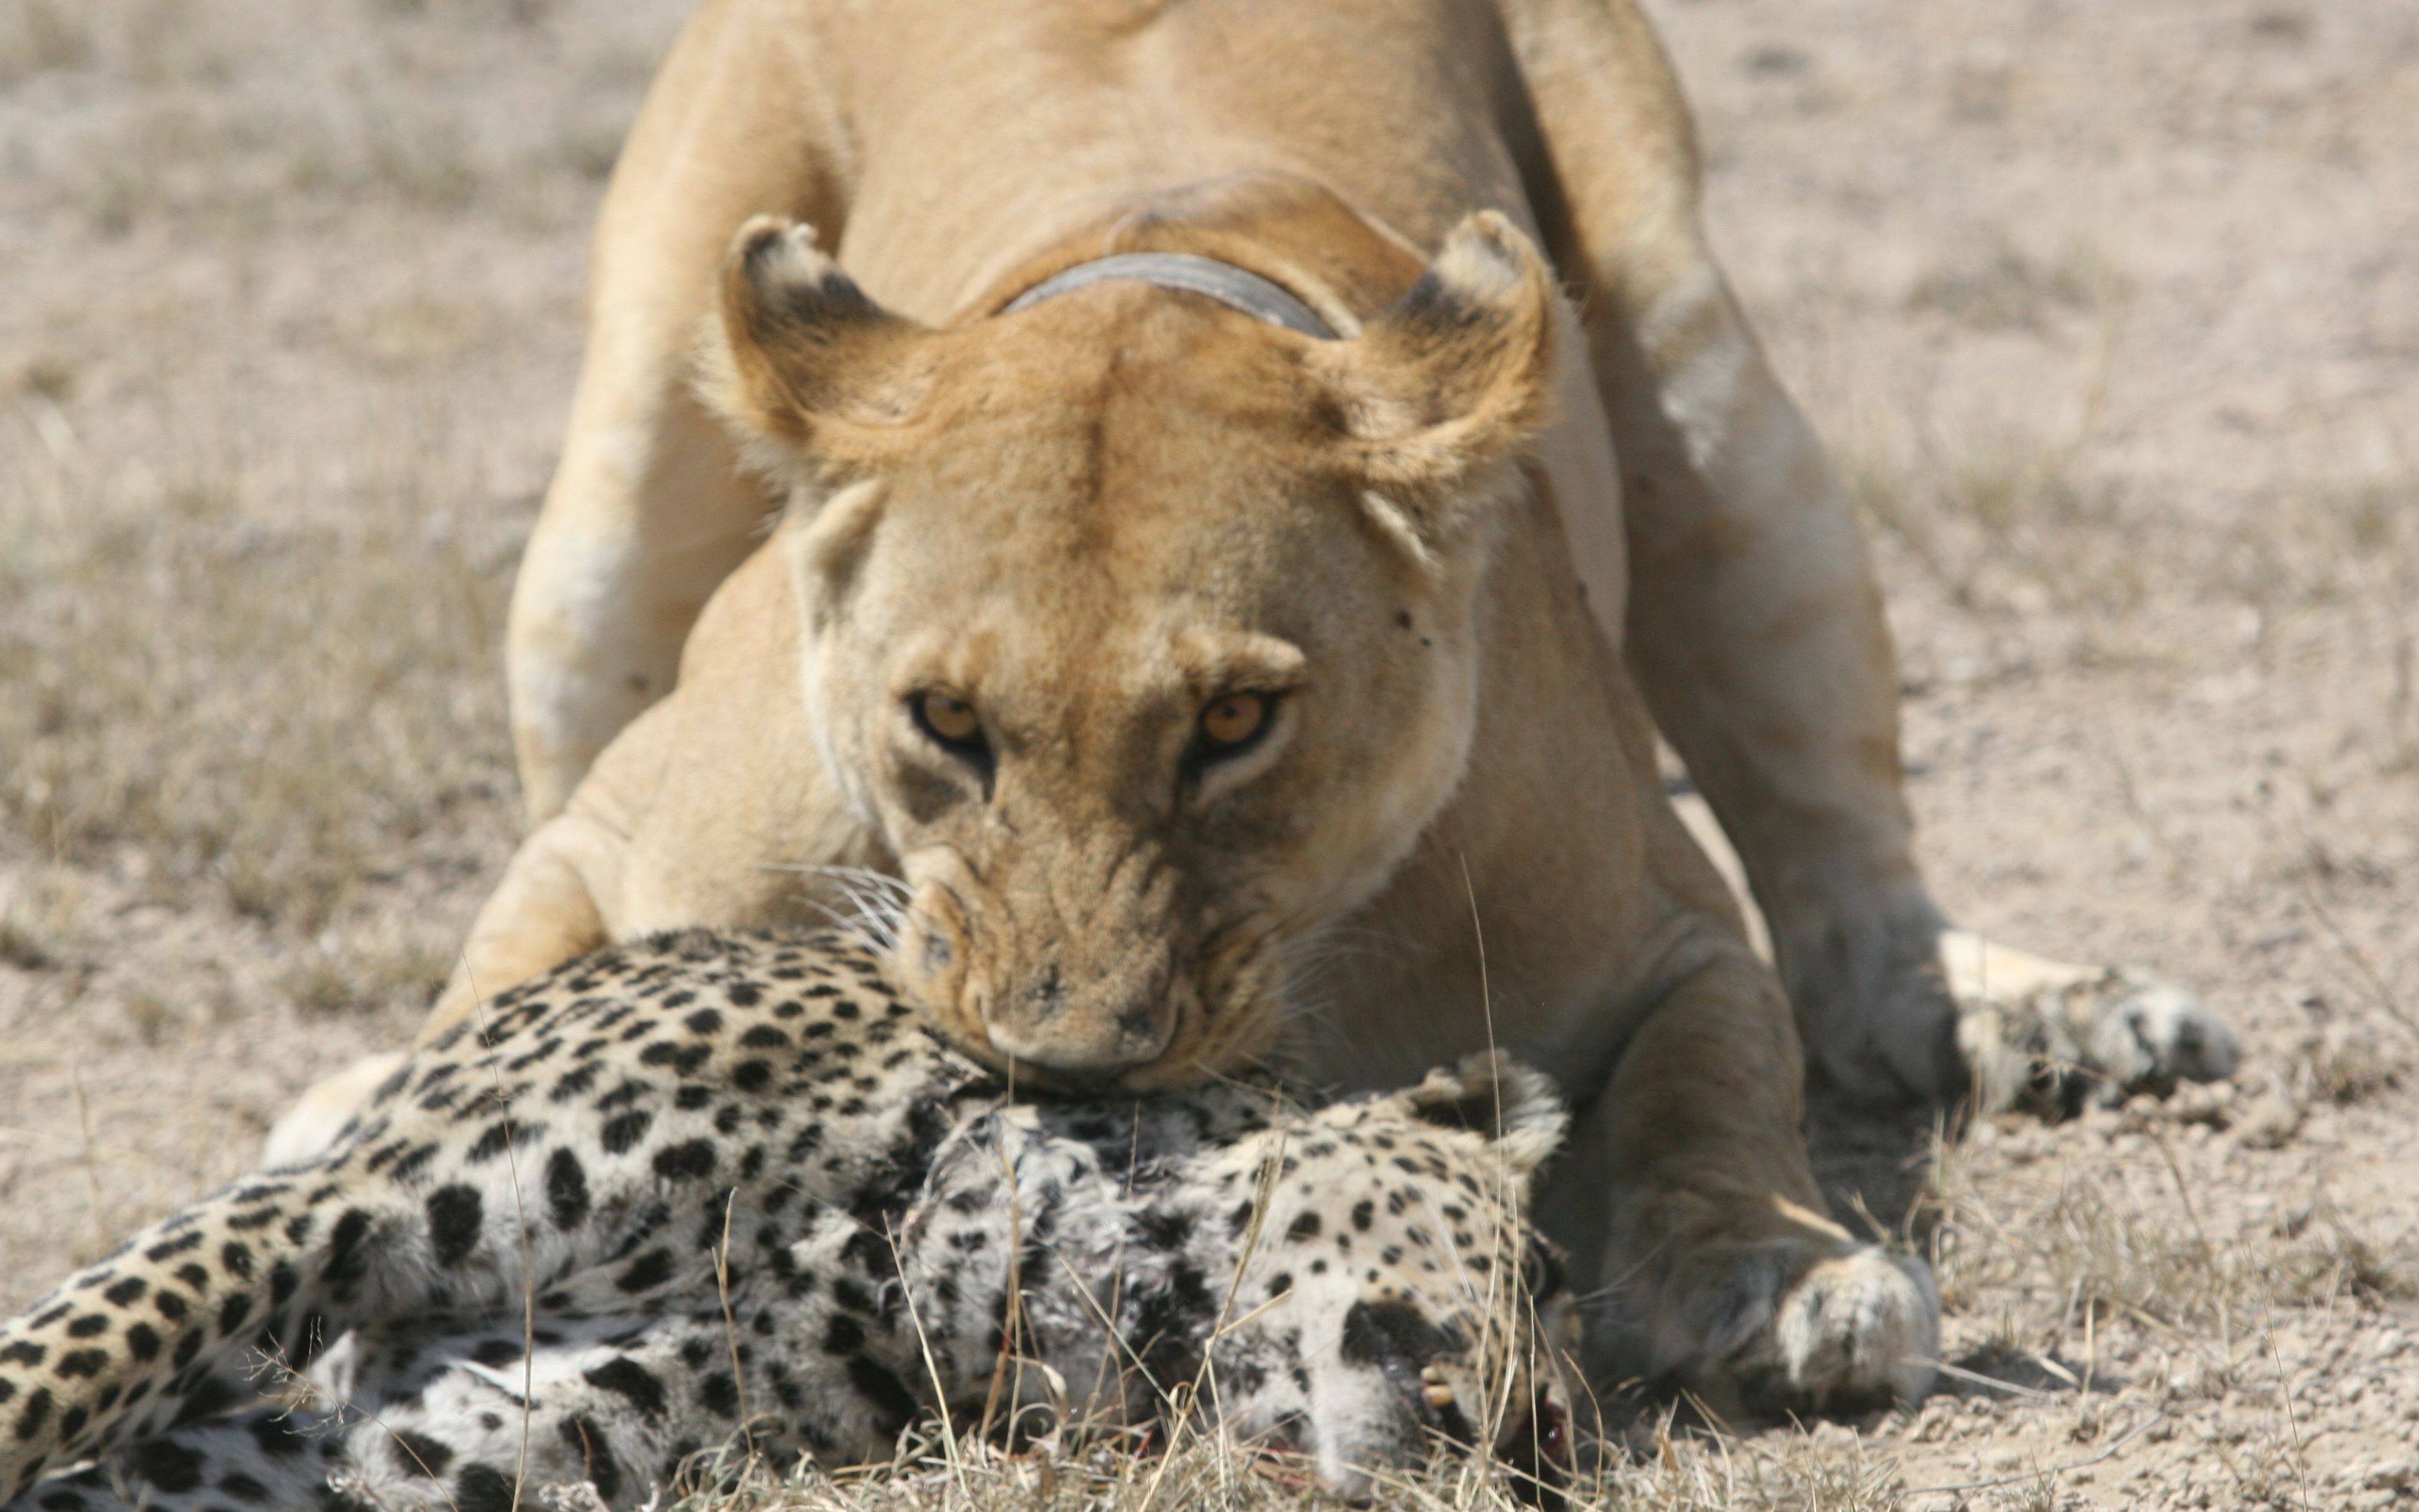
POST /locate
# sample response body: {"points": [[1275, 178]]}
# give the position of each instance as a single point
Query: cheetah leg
{"points": [[175, 1324], [204, 1312], [1686, 1197], [272, 1459]]}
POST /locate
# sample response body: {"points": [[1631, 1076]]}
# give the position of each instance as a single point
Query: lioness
{"points": [[1239, 651]]}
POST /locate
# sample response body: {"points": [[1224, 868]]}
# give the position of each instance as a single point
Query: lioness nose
{"points": [[1083, 1042]]}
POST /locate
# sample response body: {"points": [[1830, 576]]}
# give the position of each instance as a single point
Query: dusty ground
{"points": [[2108, 310]]}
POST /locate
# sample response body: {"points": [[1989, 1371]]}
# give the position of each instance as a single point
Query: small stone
{"points": [[2268, 1123]]}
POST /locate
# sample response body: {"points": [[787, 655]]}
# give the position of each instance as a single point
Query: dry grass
{"points": [[36, 36], [363, 713], [2006, 286], [1825, 1472], [2116, 1252]]}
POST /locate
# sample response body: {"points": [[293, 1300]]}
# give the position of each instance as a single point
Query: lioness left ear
{"points": [[805, 359], [1455, 376]]}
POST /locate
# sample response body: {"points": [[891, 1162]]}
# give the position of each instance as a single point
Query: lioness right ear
{"points": [[805, 359]]}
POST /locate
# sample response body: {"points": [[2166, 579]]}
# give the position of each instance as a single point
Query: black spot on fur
{"points": [[36, 1412], [884, 1390], [492, 1143], [648, 1271], [1378, 1333], [455, 1216], [576, 1083], [347, 1263], [625, 1131], [843, 1335], [687, 1161], [603, 1472], [271, 1434], [416, 1454], [79, 1363], [128, 1292], [209, 1396], [167, 1465], [566, 1189], [482, 1488], [628, 1378]]}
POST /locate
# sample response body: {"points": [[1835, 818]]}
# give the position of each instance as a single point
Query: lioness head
{"points": [[1141, 630]]}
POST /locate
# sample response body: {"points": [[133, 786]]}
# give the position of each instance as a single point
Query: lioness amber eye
{"points": [[1234, 720], [952, 721]]}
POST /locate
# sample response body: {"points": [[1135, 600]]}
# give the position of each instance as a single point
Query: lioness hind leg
{"points": [[649, 509], [1688, 1196], [1753, 619]]}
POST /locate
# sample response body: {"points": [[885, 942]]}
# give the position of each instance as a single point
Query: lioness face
{"points": [[1141, 631]]}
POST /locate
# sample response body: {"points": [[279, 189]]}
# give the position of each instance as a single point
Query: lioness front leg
{"points": [[650, 508], [1754, 621], [1692, 1214]]}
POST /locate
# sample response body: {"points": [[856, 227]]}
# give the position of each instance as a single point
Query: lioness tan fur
{"points": [[1084, 526]]}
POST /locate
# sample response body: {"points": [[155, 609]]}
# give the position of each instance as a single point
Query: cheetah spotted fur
{"points": [[740, 1187]]}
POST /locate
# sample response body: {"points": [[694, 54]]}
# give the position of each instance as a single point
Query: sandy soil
{"points": [[2109, 312]]}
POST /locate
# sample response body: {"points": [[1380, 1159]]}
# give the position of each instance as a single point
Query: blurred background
{"points": [[2109, 312]]}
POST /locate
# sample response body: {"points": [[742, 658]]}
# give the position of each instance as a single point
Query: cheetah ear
{"points": [[805, 365], [1490, 1093]]}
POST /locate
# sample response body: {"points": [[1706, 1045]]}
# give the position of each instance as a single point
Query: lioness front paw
{"points": [[304, 1132], [1790, 1325], [1859, 1330], [1853, 1330], [2056, 1035]]}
